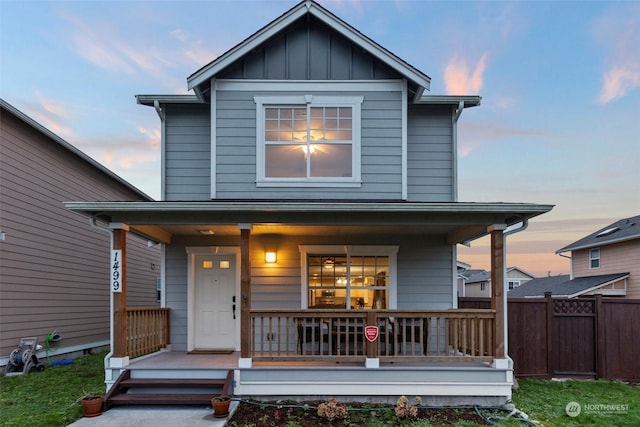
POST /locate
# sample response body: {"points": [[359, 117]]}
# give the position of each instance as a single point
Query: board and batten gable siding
{"points": [[54, 266], [381, 149], [308, 50], [430, 154], [623, 257], [187, 152]]}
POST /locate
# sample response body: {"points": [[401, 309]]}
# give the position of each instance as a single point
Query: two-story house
{"points": [[608, 260], [309, 220]]}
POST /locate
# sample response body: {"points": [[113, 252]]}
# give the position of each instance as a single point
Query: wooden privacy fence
{"points": [[590, 337], [147, 330]]}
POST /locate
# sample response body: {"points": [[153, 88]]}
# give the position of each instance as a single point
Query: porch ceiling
{"points": [[458, 222]]}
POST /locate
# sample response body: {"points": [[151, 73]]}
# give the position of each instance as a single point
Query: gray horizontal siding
{"points": [[425, 273], [187, 152], [54, 266], [381, 153], [430, 154]]}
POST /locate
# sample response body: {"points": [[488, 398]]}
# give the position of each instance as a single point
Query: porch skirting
{"points": [[478, 384]]}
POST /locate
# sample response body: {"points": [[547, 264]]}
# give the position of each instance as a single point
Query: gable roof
{"points": [[67, 146], [299, 11], [476, 276], [620, 231], [514, 268], [563, 286]]}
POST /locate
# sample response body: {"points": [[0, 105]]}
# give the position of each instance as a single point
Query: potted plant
{"points": [[220, 406], [92, 404]]}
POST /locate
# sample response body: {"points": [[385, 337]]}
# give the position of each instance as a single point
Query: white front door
{"points": [[214, 304]]}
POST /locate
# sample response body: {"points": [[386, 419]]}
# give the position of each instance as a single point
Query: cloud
{"points": [[460, 79], [51, 114], [105, 46], [476, 134], [195, 53], [618, 81], [619, 34]]}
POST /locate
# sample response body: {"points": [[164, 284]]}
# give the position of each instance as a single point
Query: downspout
{"points": [[454, 183], [161, 114], [94, 223], [525, 224], [570, 263]]}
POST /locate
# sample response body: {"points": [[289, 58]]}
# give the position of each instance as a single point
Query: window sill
{"points": [[309, 184]]}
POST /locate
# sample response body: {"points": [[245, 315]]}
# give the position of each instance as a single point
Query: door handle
{"points": [[234, 311]]}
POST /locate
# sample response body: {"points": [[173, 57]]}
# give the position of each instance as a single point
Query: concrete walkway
{"points": [[156, 416]]}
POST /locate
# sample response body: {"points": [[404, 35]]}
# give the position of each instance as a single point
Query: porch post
{"points": [[498, 300], [118, 285], [245, 293]]}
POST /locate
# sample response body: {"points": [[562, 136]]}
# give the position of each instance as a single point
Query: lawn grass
{"points": [[50, 398], [546, 401]]}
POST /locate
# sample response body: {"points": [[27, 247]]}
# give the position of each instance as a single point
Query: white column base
{"points": [[245, 363], [501, 364], [373, 363], [119, 362]]}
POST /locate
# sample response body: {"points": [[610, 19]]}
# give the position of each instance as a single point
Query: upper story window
{"points": [[513, 284], [594, 258], [308, 141]]}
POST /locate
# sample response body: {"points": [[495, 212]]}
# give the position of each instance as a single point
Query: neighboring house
{"points": [[606, 262], [516, 277], [541, 285], [54, 276], [477, 283], [309, 222]]}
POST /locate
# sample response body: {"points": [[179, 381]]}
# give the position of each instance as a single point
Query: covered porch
{"points": [[310, 351]]}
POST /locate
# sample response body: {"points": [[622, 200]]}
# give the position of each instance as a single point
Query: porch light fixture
{"points": [[207, 232], [270, 256]]}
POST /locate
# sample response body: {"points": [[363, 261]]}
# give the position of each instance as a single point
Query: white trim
{"points": [[163, 158], [306, 86], [214, 138], [599, 258], [351, 250], [354, 102], [276, 26], [454, 275], [468, 389], [405, 141], [592, 290], [192, 251]]}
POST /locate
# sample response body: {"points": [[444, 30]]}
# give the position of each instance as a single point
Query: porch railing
{"points": [[147, 330], [402, 335]]}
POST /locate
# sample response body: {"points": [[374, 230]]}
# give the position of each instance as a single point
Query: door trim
{"points": [[192, 252]]}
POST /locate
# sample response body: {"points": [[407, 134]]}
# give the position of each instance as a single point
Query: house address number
{"points": [[116, 270]]}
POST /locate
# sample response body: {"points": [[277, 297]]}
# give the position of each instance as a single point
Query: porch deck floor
{"points": [[182, 360]]}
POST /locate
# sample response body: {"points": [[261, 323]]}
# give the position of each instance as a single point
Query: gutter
{"points": [[456, 116]]}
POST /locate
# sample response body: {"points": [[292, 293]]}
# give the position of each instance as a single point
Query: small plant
{"points": [[404, 410], [332, 410], [221, 398], [88, 396]]}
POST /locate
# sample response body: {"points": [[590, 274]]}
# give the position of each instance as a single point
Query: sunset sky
{"points": [[560, 84]]}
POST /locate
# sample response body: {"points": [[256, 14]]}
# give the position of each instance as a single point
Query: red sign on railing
{"points": [[371, 333]]}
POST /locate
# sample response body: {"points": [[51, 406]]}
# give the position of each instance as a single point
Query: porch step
{"points": [[167, 391]]}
